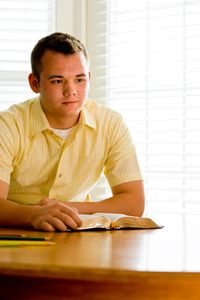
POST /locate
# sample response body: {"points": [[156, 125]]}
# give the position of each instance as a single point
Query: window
{"points": [[22, 23], [146, 65]]}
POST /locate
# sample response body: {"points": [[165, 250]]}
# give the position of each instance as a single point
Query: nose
{"points": [[69, 89]]}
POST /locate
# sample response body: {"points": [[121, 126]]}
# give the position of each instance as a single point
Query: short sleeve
{"points": [[121, 164], [8, 145]]}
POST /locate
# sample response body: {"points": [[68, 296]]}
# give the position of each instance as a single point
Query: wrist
{"points": [[28, 213]]}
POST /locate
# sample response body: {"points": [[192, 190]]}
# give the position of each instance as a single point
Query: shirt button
{"points": [[60, 175]]}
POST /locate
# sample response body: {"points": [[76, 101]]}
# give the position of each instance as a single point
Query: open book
{"points": [[116, 221]]}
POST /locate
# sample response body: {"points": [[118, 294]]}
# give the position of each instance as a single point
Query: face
{"points": [[63, 87]]}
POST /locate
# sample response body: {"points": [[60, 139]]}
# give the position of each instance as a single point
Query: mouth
{"points": [[70, 102]]}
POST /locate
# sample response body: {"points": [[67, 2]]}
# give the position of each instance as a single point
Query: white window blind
{"points": [[146, 65], [22, 23]]}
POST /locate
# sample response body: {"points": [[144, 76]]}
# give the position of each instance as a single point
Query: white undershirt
{"points": [[63, 133]]}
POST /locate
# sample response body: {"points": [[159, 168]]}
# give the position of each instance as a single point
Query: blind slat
{"points": [[22, 24], [147, 65]]}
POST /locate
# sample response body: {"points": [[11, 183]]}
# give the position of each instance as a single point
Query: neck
{"points": [[64, 123]]}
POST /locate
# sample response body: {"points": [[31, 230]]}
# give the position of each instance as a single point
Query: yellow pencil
{"points": [[7, 243]]}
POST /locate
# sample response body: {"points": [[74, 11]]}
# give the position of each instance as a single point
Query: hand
{"points": [[52, 215], [48, 201]]}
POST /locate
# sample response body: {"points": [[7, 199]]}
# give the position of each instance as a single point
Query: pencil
{"points": [[23, 237], [7, 243]]}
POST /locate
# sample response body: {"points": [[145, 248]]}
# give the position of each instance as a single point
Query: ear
{"points": [[33, 82], [89, 73]]}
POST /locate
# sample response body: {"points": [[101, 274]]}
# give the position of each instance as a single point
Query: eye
{"points": [[56, 81], [80, 80]]}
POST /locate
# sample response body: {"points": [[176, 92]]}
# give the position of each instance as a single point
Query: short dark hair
{"points": [[58, 42]]}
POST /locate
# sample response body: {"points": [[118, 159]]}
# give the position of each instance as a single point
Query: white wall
{"points": [[71, 18]]}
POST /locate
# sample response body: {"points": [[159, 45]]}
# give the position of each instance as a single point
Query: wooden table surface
{"points": [[121, 264]]}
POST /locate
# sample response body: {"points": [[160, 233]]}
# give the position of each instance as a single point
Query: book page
{"points": [[111, 216], [94, 221], [134, 222]]}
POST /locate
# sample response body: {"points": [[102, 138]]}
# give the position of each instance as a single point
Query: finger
{"points": [[45, 226], [59, 216], [52, 225], [71, 212], [75, 209], [61, 221], [57, 223], [68, 221]]}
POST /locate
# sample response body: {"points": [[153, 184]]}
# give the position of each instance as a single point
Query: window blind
{"points": [[146, 65], [22, 23]]}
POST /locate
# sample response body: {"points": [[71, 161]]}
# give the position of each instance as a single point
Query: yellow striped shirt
{"points": [[37, 163]]}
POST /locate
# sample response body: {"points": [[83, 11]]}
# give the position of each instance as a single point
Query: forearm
{"points": [[55, 216], [127, 199], [14, 214], [121, 203]]}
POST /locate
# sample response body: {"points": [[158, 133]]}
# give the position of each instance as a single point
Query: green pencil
{"points": [[23, 237]]}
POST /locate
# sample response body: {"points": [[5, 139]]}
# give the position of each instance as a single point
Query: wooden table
{"points": [[129, 264]]}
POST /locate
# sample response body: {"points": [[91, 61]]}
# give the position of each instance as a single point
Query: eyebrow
{"points": [[60, 76]]}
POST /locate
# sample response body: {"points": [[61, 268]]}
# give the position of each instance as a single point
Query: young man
{"points": [[53, 148]]}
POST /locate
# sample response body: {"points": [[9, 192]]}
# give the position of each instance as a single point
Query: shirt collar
{"points": [[39, 122], [87, 119]]}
